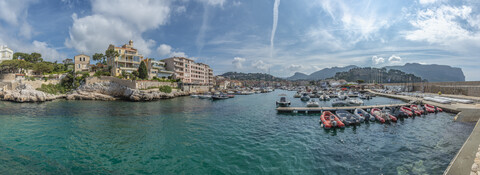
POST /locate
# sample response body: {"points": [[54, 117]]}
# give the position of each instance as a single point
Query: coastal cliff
{"points": [[105, 91], [113, 91]]}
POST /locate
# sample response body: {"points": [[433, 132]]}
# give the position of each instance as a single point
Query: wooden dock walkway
{"points": [[321, 109]]}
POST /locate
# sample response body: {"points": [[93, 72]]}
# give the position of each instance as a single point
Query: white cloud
{"points": [[166, 50], [16, 31], [274, 26], [238, 62], [116, 22], [378, 60], [295, 67], [440, 25], [260, 65], [180, 9], [427, 1], [214, 2], [394, 59]]}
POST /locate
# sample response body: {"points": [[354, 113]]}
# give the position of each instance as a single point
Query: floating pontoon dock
{"points": [[321, 109]]}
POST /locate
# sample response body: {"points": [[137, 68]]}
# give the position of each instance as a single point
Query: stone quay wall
{"points": [[469, 88]]}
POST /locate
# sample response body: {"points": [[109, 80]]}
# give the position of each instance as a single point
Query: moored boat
{"points": [[406, 111], [390, 113], [431, 108], [305, 97], [347, 118], [297, 95], [220, 96], [377, 114], [416, 109], [283, 102], [362, 113], [329, 120], [312, 103]]}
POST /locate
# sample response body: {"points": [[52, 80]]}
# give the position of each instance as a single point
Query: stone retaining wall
{"points": [[133, 84], [469, 88]]}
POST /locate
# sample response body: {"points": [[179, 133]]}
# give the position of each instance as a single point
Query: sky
{"points": [[279, 37]]}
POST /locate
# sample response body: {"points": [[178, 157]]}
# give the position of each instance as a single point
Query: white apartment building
{"points": [[5, 53], [188, 71]]}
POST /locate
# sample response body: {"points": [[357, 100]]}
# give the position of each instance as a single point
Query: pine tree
{"points": [[142, 71]]}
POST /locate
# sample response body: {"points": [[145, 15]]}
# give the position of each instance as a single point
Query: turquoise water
{"points": [[243, 135]]}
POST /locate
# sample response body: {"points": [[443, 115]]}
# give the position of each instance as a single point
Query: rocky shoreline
{"points": [[105, 91]]}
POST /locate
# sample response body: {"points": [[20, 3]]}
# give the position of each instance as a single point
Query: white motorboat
{"points": [[354, 101], [313, 103]]}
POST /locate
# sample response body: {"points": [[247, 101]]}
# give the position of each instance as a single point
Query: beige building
{"points": [[128, 61], [82, 62], [188, 71], [157, 69]]}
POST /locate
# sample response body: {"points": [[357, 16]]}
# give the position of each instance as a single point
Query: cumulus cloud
{"points": [[260, 65], [238, 62], [117, 22], [440, 25], [377, 60], [166, 50], [16, 31], [394, 59], [295, 67]]}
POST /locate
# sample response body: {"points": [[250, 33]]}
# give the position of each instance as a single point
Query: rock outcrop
{"points": [[112, 91], [25, 93]]}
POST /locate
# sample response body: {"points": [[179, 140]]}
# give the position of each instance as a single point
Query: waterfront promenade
{"points": [[462, 162]]}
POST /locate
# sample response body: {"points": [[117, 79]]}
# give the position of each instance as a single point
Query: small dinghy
{"points": [[347, 118], [377, 113], [390, 113], [312, 103], [416, 109], [362, 113], [329, 120], [431, 108], [297, 95], [406, 111], [305, 97], [339, 103]]}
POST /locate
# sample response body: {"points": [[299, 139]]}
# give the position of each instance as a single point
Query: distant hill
{"points": [[377, 75], [298, 76], [250, 76], [432, 72], [321, 74]]}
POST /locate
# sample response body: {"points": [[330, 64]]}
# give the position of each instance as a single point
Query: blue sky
{"points": [[237, 35]]}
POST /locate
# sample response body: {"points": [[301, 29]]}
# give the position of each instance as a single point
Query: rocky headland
{"points": [[105, 91]]}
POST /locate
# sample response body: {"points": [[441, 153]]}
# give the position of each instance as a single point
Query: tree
{"points": [[99, 58], [43, 67], [15, 65], [360, 81], [110, 53], [142, 71], [35, 57]]}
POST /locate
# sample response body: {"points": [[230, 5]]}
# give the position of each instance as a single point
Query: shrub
{"points": [[52, 89], [165, 89]]}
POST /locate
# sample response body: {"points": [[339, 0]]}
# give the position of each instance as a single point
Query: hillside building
{"points": [[82, 63], [189, 72], [5, 53]]}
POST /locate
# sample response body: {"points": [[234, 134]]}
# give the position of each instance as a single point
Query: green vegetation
{"points": [[376, 75], [165, 79], [101, 73], [71, 81], [15, 66], [53, 89], [142, 71], [165, 89], [33, 57], [99, 58]]}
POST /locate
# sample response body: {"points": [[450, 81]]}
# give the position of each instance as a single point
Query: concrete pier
{"points": [[462, 162], [321, 109]]}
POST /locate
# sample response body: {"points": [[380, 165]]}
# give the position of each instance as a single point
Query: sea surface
{"points": [[243, 135]]}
